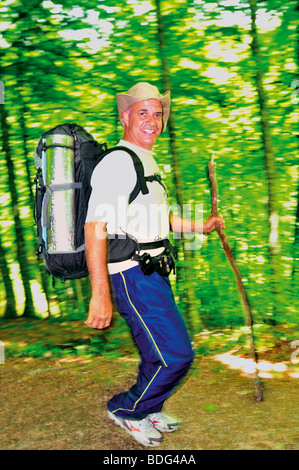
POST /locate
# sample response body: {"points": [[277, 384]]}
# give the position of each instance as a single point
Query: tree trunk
{"points": [[295, 273], [25, 139], [20, 240], [192, 314], [10, 308], [273, 218]]}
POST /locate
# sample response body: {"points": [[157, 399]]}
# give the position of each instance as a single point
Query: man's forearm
{"points": [[96, 257], [179, 225], [101, 305]]}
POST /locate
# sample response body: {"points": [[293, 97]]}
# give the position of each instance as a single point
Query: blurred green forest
{"points": [[232, 68]]}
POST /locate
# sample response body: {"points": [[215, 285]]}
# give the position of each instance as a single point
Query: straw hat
{"points": [[140, 92]]}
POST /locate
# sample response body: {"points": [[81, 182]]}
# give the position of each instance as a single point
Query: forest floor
{"points": [[60, 402]]}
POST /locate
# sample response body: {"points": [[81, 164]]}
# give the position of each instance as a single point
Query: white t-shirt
{"points": [[146, 218]]}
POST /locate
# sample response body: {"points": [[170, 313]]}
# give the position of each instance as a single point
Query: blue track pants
{"points": [[148, 305]]}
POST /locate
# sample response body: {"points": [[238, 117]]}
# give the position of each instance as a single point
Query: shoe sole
{"points": [[151, 442]]}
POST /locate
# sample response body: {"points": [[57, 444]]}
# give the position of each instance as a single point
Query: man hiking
{"points": [[138, 285]]}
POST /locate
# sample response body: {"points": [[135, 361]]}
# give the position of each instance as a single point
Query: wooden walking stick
{"points": [[230, 257]]}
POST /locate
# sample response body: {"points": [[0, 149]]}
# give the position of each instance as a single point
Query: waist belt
{"points": [[163, 263], [124, 247], [154, 244]]}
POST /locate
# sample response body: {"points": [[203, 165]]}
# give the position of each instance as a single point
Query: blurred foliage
{"points": [[65, 62]]}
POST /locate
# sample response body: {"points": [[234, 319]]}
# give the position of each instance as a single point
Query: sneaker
{"points": [[143, 431], [163, 422]]}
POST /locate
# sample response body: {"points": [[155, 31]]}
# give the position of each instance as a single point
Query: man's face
{"points": [[143, 123]]}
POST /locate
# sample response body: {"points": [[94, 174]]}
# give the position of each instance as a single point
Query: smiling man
{"points": [[143, 123], [129, 263]]}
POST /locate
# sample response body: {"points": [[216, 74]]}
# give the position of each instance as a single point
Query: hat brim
{"points": [[125, 101]]}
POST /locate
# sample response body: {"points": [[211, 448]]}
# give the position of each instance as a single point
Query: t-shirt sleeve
{"points": [[112, 181]]}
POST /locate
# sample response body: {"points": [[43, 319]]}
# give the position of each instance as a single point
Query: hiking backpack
{"points": [[65, 158]]}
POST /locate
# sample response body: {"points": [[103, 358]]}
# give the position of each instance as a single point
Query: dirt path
{"points": [[61, 404]]}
